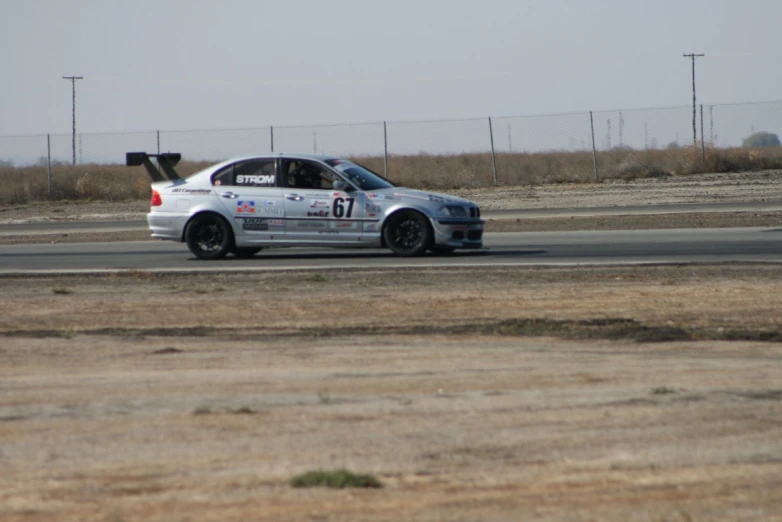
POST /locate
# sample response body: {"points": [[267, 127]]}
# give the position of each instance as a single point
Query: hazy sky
{"points": [[179, 64]]}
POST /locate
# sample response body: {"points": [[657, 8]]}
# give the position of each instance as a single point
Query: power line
{"points": [[73, 79], [693, 56]]}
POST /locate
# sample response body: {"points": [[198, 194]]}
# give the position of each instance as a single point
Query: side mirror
{"points": [[342, 186]]}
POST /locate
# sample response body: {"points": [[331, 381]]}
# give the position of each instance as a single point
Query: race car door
{"points": [[248, 190], [314, 211]]}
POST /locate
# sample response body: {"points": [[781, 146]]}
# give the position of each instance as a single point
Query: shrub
{"points": [[340, 478]]}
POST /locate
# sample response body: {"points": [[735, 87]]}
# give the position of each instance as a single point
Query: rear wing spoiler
{"points": [[166, 161]]}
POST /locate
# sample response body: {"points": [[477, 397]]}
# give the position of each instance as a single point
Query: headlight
{"points": [[452, 211]]}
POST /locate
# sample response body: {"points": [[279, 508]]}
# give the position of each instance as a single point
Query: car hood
{"points": [[417, 195]]}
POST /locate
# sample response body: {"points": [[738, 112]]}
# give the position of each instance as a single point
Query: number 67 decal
{"points": [[342, 207]]}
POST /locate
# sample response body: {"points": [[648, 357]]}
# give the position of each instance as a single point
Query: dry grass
{"points": [[441, 172], [89, 182], [475, 170]]}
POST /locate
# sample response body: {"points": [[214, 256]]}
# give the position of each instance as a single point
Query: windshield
{"points": [[359, 175]]}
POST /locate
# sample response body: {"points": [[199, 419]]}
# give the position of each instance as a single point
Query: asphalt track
{"points": [[677, 246]]}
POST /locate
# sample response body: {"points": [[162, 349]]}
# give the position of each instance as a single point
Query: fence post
{"points": [[703, 144], [493, 156], [158, 142], [594, 149], [49, 162], [385, 150], [271, 137]]}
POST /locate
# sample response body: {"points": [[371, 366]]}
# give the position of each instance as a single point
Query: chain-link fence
{"points": [[441, 154]]}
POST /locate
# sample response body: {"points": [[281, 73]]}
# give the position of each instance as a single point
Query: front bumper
{"points": [[458, 232]]}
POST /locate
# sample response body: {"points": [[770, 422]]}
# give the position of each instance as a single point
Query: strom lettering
{"points": [[255, 179]]}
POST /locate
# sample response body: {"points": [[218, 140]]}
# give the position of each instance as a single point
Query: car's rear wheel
{"points": [[408, 233], [209, 236], [245, 252]]}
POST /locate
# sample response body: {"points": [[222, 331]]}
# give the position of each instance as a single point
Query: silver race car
{"points": [[248, 203]]}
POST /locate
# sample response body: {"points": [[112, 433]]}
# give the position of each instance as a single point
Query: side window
{"points": [[253, 173], [307, 175], [224, 176]]}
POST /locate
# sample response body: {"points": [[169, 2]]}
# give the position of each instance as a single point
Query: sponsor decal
{"points": [[371, 207], [370, 227], [255, 179], [344, 225], [376, 196], [276, 222], [268, 203], [310, 224], [245, 207], [192, 191], [255, 224], [318, 213], [270, 211], [315, 203], [328, 232]]}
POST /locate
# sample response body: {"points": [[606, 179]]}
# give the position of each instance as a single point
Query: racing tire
{"points": [[408, 233], [442, 251], [245, 252], [209, 236]]}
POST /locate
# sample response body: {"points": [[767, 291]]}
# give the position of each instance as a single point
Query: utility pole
{"points": [[510, 145], [621, 130], [693, 56], [73, 79]]}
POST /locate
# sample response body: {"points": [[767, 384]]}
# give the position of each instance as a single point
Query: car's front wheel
{"points": [[408, 233], [209, 236]]}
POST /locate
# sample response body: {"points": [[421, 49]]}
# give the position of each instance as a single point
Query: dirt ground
{"points": [[590, 394], [699, 188]]}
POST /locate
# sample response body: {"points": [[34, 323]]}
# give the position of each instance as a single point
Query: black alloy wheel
{"points": [[408, 233], [209, 236]]}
